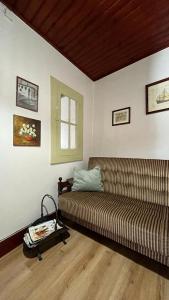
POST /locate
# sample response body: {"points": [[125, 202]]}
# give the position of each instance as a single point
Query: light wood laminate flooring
{"points": [[84, 269]]}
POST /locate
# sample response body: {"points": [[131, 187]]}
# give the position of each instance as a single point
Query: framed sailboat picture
{"points": [[26, 94], [157, 96]]}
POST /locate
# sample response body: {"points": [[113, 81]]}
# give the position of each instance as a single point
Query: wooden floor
{"points": [[83, 269]]}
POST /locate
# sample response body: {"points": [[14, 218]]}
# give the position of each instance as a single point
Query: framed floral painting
{"points": [[26, 131]]}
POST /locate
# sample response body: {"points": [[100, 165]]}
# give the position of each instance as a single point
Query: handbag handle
{"points": [[42, 206]]}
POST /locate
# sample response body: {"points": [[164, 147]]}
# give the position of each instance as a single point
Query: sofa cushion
{"points": [[144, 223], [87, 180]]}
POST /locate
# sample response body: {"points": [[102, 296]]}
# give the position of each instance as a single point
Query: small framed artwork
{"points": [[157, 96], [26, 131], [121, 116], [26, 94]]}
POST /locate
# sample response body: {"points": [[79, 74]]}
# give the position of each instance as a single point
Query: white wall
{"points": [[147, 135], [26, 173]]}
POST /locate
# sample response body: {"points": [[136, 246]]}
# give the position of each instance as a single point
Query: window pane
{"points": [[64, 108], [72, 111], [64, 136], [72, 136]]}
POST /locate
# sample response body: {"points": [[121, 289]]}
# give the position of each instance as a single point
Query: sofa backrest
{"points": [[143, 179]]}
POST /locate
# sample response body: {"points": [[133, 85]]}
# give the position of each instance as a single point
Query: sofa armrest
{"points": [[64, 186]]}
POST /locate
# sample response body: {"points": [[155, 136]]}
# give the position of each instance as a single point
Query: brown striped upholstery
{"points": [[143, 179], [133, 209]]}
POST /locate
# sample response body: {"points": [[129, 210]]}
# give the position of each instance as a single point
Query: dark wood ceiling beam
{"points": [[64, 25], [121, 63], [130, 54], [100, 42], [56, 14], [36, 11], [126, 50], [11, 3], [101, 74], [137, 34], [45, 12], [124, 24], [84, 21], [90, 25], [133, 58], [83, 18], [34, 6], [103, 27], [21, 6], [131, 32], [85, 24]]}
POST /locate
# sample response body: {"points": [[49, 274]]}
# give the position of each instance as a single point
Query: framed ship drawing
{"points": [[157, 96]]}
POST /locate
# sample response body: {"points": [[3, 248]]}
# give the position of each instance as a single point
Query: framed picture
{"points": [[26, 131], [26, 94], [121, 116], [157, 96]]}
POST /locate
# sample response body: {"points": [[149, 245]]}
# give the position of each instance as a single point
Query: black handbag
{"points": [[59, 235]]}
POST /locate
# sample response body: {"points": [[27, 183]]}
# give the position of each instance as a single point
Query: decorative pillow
{"points": [[87, 180]]}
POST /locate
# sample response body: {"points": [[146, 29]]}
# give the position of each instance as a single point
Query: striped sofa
{"points": [[133, 209]]}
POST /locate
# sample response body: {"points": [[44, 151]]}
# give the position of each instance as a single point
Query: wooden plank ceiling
{"points": [[98, 36]]}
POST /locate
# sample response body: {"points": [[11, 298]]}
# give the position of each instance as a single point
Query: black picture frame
{"points": [[125, 111], [157, 96], [27, 94]]}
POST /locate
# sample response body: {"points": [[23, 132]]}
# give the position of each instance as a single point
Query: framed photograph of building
{"points": [[26, 131], [121, 116], [26, 94], [157, 96]]}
